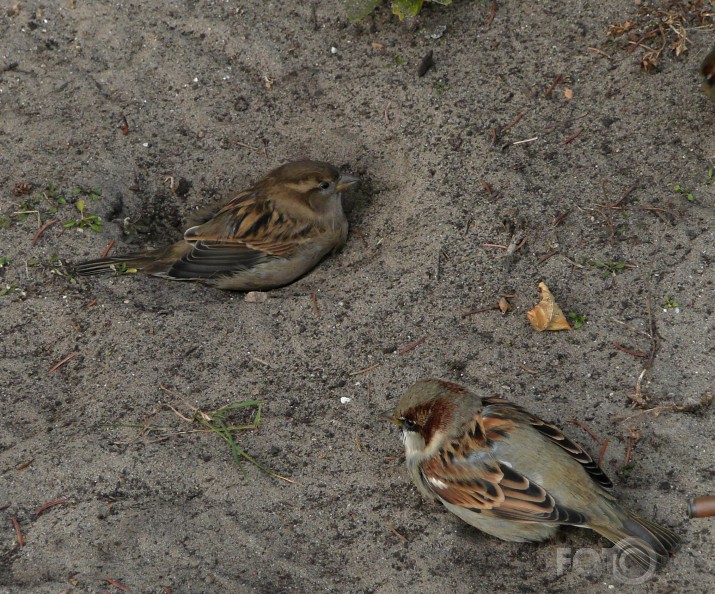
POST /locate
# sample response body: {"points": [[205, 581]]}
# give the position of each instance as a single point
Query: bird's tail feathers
{"points": [[646, 542], [117, 264]]}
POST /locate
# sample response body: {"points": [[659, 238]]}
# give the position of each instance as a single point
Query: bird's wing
{"points": [[498, 408], [466, 474], [245, 232]]}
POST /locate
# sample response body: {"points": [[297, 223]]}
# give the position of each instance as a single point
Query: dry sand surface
{"points": [[215, 94]]}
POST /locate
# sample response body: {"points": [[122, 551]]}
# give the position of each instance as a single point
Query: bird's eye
{"points": [[409, 424], [324, 186]]}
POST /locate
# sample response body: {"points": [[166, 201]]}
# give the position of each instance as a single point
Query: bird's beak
{"points": [[392, 420], [346, 181]]}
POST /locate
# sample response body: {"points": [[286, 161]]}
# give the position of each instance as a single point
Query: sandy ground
{"points": [[217, 93]]}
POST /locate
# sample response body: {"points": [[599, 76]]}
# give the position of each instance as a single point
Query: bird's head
{"points": [[430, 412], [314, 183]]}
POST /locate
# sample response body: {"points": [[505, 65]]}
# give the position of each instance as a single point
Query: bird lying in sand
{"points": [[512, 475], [265, 237]]}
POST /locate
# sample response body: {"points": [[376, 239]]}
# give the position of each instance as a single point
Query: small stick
{"points": [[558, 219], [629, 447], [91, 304], [411, 346], [576, 264], [479, 310], [595, 49], [56, 366], [521, 245], [387, 117], [24, 464], [314, 299], [394, 530], [123, 125], [116, 584], [42, 230], [513, 123], [27, 212], [18, 532], [364, 369], [527, 140], [545, 257], [43, 508], [574, 136], [109, 247], [625, 195], [492, 14], [494, 245], [552, 86], [620, 347], [586, 428], [248, 146], [602, 453]]}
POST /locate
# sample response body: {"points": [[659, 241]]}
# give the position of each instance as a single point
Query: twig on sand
{"points": [[41, 230], [394, 530], [45, 506], [587, 429], [411, 346], [552, 86], [108, 249], [59, 364], [18, 532]]}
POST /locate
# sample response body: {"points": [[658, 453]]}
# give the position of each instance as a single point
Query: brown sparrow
{"points": [[708, 71], [512, 475], [265, 237]]}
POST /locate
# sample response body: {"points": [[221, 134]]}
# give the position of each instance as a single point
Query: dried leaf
{"points": [[568, 93], [504, 305], [547, 315]]}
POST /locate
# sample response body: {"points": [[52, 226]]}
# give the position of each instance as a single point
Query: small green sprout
{"points": [[578, 320], [609, 267], [669, 303], [93, 222], [122, 269], [684, 190], [359, 9], [440, 87]]}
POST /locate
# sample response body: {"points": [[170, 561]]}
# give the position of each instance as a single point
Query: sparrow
{"points": [[265, 237], [512, 475], [708, 71]]}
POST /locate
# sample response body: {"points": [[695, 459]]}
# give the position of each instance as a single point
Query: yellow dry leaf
{"points": [[568, 93], [504, 305], [547, 315]]}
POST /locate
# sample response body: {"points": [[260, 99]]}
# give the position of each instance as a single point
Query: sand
{"points": [[214, 95]]}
